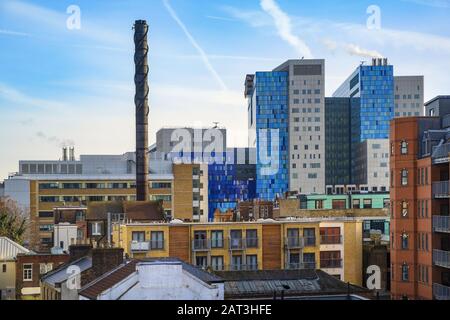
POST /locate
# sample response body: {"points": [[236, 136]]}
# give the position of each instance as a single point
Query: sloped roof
{"points": [[145, 210], [108, 280], [134, 210], [60, 275], [10, 249]]}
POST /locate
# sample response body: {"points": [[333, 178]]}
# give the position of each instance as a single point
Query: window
{"points": [[252, 238], [309, 236], [236, 263], [405, 272], [405, 238], [236, 239], [330, 235], [330, 259], [28, 272], [217, 239], [96, 228], [356, 203], [138, 236], [319, 204], [252, 262], [45, 214], [45, 268], [157, 240], [367, 203], [201, 261], [404, 148], [217, 263], [4, 268], [404, 209], [404, 177], [338, 204]]}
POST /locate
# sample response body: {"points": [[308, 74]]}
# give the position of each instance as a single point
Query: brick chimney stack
{"points": [[106, 259]]}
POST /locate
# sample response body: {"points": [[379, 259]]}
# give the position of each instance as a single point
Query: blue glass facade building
{"points": [[230, 182], [272, 118], [374, 85], [377, 101]]}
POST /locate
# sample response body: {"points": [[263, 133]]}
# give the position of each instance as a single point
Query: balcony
{"points": [[201, 245], [331, 239], [440, 190], [441, 258], [441, 292], [303, 265], [236, 244], [251, 243], [441, 224], [330, 263], [140, 246], [295, 242], [147, 245], [310, 241], [243, 267]]}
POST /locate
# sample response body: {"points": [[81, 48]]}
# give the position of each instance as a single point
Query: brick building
{"points": [[420, 239]]}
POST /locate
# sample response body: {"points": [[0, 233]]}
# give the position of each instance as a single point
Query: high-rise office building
{"points": [[409, 96], [339, 140], [268, 110], [306, 124], [374, 84], [289, 99], [369, 134]]}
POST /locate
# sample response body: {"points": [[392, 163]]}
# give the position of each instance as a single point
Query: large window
{"points": [[236, 263], [252, 262], [330, 259], [28, 272], [217, 263], [217, 239], [157, 240], [367, 203], [138, 236], [252, 238], [356, 203]]}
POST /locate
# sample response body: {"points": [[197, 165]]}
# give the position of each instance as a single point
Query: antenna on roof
{"points": [[216, 125]]}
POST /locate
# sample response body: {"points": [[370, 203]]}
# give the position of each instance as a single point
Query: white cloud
{"points": [[284, 27], [195, 45], [431, 3], [14, 33], [19, 98], [55, 22]]}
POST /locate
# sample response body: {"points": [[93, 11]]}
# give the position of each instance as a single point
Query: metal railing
{"points": [[440, 189], [441, 224], [201, 244], [303, 265], [236, 244], [243, 267], [310, 241], [251, 243], [330, 263], [441, 292], [441, 258], [331, 239], [294, 242], [441, 152], [140, 246]]}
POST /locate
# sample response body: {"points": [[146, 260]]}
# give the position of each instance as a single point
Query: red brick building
{"points": [[29, 270], [420, 222]]}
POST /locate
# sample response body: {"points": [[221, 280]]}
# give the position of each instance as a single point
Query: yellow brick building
{"points": [[260, 245]]}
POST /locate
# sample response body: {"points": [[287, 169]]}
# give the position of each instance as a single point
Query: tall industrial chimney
{"points": [[142, 108]]}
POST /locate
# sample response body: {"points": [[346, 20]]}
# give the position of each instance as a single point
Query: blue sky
{"points": [[61, 86]]}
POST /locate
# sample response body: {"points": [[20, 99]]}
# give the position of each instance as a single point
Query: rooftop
{"points": [[10, 249], [57, 276], [294, 283]]}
